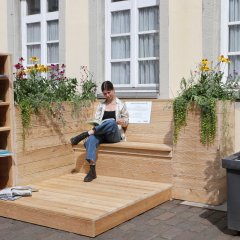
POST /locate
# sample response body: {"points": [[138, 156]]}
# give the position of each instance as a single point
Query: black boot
{"points": [[79, 138], [91, 174]]}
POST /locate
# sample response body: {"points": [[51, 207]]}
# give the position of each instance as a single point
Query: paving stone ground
{"points": [[170, 220]]}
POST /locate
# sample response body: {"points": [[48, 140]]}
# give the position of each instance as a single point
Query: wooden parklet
{"points": [[132, 177], [90, 208]]}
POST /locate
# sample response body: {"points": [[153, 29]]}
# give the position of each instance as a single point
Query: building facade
{"points": [[144, 47]]}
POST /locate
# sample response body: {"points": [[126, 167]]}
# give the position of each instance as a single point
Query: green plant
{"points": [[44, 88], [202, 90]]}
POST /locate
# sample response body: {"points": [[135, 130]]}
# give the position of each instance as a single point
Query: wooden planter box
{"points": [[47, 152], [197, 172]]}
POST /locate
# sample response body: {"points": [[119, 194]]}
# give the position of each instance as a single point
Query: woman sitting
{"points": [[109, 131]]}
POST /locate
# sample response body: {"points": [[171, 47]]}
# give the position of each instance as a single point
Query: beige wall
{"points": [[3, 26], [185, 40], [77, 36]]}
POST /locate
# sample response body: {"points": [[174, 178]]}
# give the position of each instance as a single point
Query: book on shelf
{"points": [[5, 153], [96, 122], [3, 76]]}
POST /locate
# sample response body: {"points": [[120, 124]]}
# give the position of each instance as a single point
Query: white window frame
{"points": [[225, 32], [133, 6], [42, 18]]}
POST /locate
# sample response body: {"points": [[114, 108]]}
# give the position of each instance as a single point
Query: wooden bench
{"points": [[146, 155]]}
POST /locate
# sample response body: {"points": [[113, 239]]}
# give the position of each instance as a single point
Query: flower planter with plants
{"points": [[203, 134], [49, 110]]}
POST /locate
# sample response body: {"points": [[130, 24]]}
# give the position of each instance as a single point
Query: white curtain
{"points": [[33, 51], [234, 10], [234, 36], [149, 45], [148, 70], [52, 30], [120, 73], [33, 36], [120, 47], [52, 52], [148, 19], [33, 32], [234, 66], [120, 22], [52, 35]]}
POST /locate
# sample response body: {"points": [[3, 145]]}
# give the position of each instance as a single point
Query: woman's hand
{"points": [[121, 122]]}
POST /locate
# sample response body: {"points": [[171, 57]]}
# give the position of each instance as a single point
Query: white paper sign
{"points": [[139, 112]]}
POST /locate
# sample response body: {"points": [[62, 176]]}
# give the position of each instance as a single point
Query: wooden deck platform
{"points": [[69, 204]]}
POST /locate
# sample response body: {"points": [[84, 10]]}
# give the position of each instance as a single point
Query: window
{"points": [[231, 33], [40, 27], [132, 32], [234, 35]]}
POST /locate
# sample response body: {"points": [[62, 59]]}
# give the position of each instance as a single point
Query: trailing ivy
{"points": [[204, 88], [41, 88]]}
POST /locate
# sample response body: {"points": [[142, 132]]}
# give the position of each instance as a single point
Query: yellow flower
{"points": [[223, 59], [204, 68], [34, 59], [205, 62]]}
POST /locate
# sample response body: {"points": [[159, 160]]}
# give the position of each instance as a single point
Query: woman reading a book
{"points": [[112, 116]]}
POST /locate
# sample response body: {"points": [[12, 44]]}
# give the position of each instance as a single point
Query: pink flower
{"points": [[18, 66]]}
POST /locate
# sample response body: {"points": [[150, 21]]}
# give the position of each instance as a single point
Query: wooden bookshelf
{"points": [[6, 126]]}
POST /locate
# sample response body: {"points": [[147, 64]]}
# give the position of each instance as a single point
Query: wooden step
{"points": [[139, 148], [69, 204], [133, 160]]}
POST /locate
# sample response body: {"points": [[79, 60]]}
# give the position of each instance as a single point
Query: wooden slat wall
{"points": [[127, 164], [197, 172], [47, 151], [160, 128]]}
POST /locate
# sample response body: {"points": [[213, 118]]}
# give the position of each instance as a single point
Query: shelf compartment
{"points": [[5, 118], [4, 91], [4, 65], [5, 142], [6, 172]]}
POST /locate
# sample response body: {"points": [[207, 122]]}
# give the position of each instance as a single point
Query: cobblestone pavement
{"points": [[170, 220]]}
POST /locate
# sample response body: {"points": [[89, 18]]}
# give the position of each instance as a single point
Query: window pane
{"points": [[120, 22], [148, 19], [52, 30], [52, 52], [234, 38], [33, 7], [33, 51], [148, 45], [148, 72], [33, 32], [52, 5], [120, 47], [120, 73], [234, 10], [234, 66]]}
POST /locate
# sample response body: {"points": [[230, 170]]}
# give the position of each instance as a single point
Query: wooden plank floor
{"points": [[69, 204]]}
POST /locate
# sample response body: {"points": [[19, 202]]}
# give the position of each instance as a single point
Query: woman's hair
{"points": [[107, 86]]}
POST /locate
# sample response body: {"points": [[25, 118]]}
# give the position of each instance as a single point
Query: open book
{"points": [[96, 122]]}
